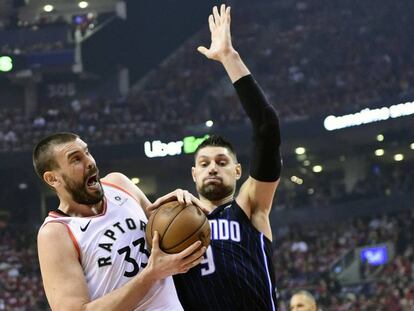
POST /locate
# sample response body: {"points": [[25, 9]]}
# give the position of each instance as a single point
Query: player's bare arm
{"points": [[256, 194], [65, 283]]}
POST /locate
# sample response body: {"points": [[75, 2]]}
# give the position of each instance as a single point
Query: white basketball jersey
{"points": [[112, 248]]}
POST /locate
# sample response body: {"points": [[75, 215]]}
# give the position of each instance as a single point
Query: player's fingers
{"points": [[151, 208], [190, 265], [180, 196], [155, 241], [201, 205], [164, 199], [203, 50], [195, 256], [188, 198], [189, 250], [228, 16], [211, 24], [216, 16], [222, 13]]}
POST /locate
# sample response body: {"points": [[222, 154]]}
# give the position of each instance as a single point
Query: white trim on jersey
{"points": [[267, 270]]}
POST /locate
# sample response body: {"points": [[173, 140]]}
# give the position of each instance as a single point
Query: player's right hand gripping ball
{"points": [[178, 227]]}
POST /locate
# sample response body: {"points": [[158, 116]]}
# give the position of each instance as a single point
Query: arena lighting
{"points": [[379, 152], [306, 163], [377, 255], [368, 116], [296, 180], [135, 180], [380, 137], [317, 169], [6, 64], [48, 8], [300, 150], [412, 146], [398, 157], [209, 123], [83, 4]]}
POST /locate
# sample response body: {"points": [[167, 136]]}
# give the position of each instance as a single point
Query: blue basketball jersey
{"points": [[237, 271]]}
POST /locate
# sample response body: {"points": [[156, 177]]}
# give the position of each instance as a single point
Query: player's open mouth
{"points": [[92, 182]]}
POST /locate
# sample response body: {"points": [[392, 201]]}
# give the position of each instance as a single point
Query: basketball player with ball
{"points": [[237, 272], [92, 249]]}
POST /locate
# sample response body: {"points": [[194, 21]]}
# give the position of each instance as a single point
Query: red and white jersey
{"points": [[112, 248]]}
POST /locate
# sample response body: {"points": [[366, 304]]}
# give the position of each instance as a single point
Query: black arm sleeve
{"points": [[265, 160]]}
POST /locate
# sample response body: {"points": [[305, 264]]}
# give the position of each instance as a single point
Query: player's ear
{"points": [[193, 173], [238, 171], [51, 179]]}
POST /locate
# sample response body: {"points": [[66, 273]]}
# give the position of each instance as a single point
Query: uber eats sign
{"points": [[188, 144]]}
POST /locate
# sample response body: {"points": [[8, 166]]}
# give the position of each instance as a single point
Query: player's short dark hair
{"points": [[43, 157], [216, 141]]}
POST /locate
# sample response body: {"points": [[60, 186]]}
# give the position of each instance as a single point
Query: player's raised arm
{"points": [[256, 194]]}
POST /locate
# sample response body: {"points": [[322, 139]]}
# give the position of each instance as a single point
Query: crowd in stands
{"points": [[45, 34], [304, 255], [322, 190], [20, 282], [311, 57]]}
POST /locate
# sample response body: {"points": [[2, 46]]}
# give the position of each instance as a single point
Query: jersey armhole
{"points": [[248, 220]]}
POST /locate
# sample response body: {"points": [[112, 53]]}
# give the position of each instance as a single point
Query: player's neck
{"points": [[81, 210], [211, 205]]}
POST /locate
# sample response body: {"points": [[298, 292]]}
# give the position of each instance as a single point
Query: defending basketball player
{"points": [[92, 249], [237, 271]]}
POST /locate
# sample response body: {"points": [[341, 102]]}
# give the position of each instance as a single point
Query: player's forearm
{"points": [[265, 159], [234, 65], [126, 297]]}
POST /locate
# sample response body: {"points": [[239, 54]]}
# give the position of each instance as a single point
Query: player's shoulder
{"points": [[116, 178], [52, 231], [121, 182]]}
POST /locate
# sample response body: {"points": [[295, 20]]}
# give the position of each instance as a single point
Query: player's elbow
{"points": [[269, 129]]}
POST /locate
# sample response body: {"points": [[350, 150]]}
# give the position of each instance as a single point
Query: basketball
{"points": [[178, 227]]}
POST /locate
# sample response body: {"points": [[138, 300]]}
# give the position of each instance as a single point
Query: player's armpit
{"points": [[256, 198], [62, 274]]}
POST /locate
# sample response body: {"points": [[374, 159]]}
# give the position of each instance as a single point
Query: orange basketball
{"points": [[178, 227]]}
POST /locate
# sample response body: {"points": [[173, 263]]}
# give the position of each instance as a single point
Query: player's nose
{"points": [[212, 169]]}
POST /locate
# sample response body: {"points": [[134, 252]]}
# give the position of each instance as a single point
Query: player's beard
{"points": [[215, 192], [80, 193]]}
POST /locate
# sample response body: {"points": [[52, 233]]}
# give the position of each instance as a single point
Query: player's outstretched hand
{"points": [[180, 195], [221, 46], [162, 265]]}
